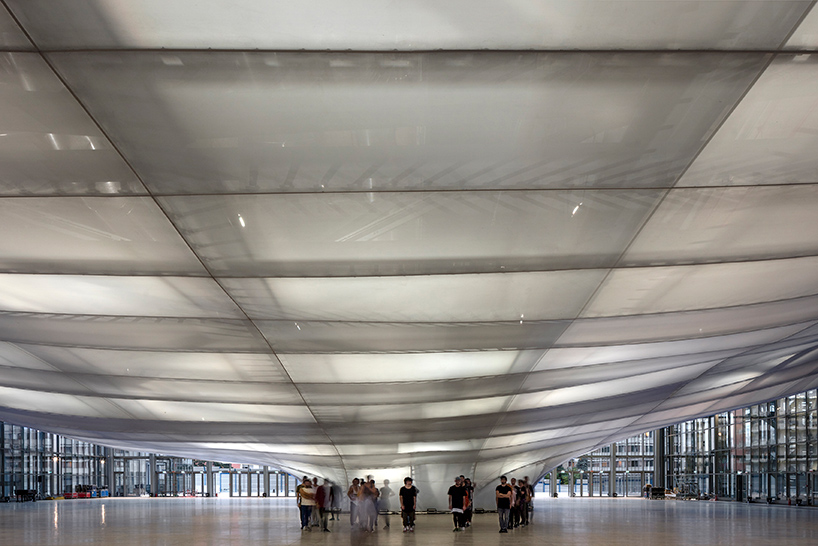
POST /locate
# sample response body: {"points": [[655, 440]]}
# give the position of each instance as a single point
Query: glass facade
{"points": [[590, 475], [51, 465], [763, 453], [47, 463], [767, 452]]}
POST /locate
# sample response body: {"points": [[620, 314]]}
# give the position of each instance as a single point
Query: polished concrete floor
{"points": [[169, 521]]}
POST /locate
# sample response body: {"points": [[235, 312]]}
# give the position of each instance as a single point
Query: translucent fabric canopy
{"points": [[439, 238]]}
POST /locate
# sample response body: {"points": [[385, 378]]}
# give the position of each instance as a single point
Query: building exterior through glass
{"points": [[763, 453]]}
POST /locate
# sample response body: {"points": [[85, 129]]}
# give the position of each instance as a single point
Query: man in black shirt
{"points": [[457, 497], [503, 495], [408, 503]]}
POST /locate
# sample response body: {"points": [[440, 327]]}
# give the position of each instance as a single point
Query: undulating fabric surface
{"points": [[461, 237]]}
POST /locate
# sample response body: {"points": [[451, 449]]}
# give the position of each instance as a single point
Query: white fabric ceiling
{"points": [[404, 236]]}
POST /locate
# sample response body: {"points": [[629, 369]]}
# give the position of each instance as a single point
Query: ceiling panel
{"points": [[116, 295], [426, 298], [145, 363], [165, 410], [729, 224], [409, 233], [364, 337], [66, 405], [806, 36], [372, 25], [600, 333], [91, 235], [188, 390], [379, 368], [48, 143], [397, 392], [11, 36], [136, 333], [770, 137], [652, 290], [545, 379], [705, 323], [593, 390], [486, 407], [195, 122]]}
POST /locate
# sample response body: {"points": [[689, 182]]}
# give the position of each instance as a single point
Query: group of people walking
{"points": [[514, 502], [316, 503], [319, 504], [461, 500], [366, 501]]}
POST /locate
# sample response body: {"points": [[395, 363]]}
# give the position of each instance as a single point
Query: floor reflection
{"points": [[171, 522]]}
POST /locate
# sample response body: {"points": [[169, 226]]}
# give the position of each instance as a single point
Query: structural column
{"points": [[612, 472], [211, 487], [154, 475], [266, 478], [554, 483], [109, 471], [659, 459]]}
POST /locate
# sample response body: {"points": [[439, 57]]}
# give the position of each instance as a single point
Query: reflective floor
{"points": [[274, 521]]}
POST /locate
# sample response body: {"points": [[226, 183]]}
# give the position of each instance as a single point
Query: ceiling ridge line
{"points": [[419, 191], [174, 275], [425, 51], [406, 322]]}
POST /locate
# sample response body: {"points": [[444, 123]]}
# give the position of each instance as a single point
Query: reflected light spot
{"points": [[53, 141], [108, 186]]}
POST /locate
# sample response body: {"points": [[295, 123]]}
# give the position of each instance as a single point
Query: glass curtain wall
{"points": [[633, 462], [767, 452], [47, 464], [51, 465]]}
